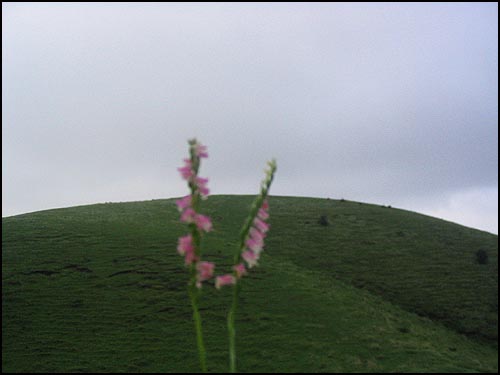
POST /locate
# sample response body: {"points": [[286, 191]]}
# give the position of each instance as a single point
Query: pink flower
{"points": [[186, 171], [202, 186], [201, 151], [224, 280], [240, 270], [250, 257], [260, 225], [263, 215], [190, 258], [201, 181], [203, 222], [254, 245], [205, 272], [185, 244], [265, 205], [183, 203], [188, 216], [257, 235], [186, 248]]}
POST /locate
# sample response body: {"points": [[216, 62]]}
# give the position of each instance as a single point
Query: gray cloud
{"points": [[383, 103]]}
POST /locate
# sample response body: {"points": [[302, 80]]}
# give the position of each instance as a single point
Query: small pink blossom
{"points": [[183, 203], [201, 180], [263, 215], [186, 248], [204, 191], [240, 270], [186, 171], [224, 280], [190, 258], [201, 151], [256, 234], [188, 216], [250, 257], [202, 186], [254, 245], [203, 222], [261, 225], [185, 244], [265, 205], [205, 272]]}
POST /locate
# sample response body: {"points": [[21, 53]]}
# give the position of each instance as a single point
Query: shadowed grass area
{"points": [[101, 288]]}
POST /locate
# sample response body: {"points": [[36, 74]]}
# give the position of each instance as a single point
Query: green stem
{"points": [[231, 329], [197, 323], [194, 294]]}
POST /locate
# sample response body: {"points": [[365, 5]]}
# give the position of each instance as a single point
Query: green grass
{"points": [[100, 288]]}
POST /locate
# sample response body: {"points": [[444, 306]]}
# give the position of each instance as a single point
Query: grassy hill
{"points": [[100, 288]]}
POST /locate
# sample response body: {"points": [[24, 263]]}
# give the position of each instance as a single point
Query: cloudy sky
{"points": [[392, 104]]}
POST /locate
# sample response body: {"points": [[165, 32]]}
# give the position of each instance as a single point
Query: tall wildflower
{"points": [[247, 254], [251, 245], [198, 224]]}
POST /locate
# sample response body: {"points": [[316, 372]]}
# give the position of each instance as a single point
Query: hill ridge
{"points": [[425, 267]]}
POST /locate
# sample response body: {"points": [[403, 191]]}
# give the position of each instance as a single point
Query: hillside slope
{"points": [[101, 288]]}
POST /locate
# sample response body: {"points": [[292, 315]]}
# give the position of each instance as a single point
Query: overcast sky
{"points": [[393, 104]]}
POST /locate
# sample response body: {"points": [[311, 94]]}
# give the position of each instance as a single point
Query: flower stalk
{"points": [[251, 243], [190, 245], [246, 255]]}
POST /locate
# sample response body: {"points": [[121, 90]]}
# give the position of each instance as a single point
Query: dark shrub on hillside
{"points": [[323, 220], [482, 256]]}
